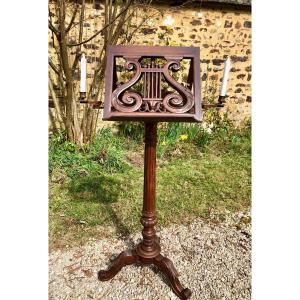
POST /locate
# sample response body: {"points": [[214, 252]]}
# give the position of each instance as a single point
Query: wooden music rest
{"points": [[145, 89]]}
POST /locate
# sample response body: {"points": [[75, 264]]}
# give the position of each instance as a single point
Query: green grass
{"points": [[97, 191]]}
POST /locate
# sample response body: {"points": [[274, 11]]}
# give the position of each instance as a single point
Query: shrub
{"points": [[172, 135], [105, 153], [133, 130]]}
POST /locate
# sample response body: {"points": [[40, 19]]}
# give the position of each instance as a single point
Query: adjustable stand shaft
{"points": [[148, 251]]}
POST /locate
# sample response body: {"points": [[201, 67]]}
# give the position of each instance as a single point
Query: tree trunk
{"points": [[72, 122], [70, 18]]}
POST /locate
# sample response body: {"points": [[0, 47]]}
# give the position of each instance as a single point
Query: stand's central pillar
{"points": [[149, 247]]}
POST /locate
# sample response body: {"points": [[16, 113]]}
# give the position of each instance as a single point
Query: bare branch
{"points": [[76, 60], [72, 19], [102, 29], [50, 20], [89, 18], [138, 27], [53, 29], [52, 65], [60, 116]]}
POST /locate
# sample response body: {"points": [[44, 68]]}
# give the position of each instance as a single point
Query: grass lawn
{"points": [[97, 192]]}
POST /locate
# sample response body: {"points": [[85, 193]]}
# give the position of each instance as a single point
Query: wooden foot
{"points": [[166, 266], [124, 258]]}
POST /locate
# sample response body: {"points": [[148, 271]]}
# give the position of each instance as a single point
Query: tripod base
{"points": [[164, 264]]}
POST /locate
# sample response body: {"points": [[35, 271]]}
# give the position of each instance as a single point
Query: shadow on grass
{"points": [[104, 190], [98, 189]]}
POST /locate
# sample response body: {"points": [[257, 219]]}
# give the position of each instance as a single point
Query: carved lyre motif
{"points": [[152, 88], [124, 100], [156, 83]]}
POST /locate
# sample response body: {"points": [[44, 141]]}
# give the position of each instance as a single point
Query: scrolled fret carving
{"points": [[130, 101], [173, 102]]}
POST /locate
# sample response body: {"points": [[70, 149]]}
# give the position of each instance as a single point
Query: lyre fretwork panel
{"points": [[152, 84], [159, 91]]}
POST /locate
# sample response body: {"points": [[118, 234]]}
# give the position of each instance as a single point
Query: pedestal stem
{"points": [[150, 168], [148, 251], [149, 247]]}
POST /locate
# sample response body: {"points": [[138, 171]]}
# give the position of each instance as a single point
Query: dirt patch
{"points": [[136, 159]]}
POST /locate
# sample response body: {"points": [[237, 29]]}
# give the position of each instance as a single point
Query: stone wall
{"points": [[219, 32]]}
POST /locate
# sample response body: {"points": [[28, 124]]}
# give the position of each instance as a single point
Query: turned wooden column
{"points": [[148, 251], [149, 247]]}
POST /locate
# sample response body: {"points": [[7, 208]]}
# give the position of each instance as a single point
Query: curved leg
{"points": [[127, 257], [166, 266]]}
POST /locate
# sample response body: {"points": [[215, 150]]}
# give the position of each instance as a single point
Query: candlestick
{"points": [[83, 74], [225, 76]]}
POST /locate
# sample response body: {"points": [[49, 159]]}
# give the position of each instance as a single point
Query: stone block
{"points": [[196, 22], [247, 24], [217, 61], [233, 69], [237, 25], [208, 22], [236, 58], [228, 24], [147, 31], [240, 76]]}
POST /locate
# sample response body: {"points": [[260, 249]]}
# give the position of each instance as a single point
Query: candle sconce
{"points": [[94, 104], [219, 104], [222, 97], [82, 96], [221, 101]]}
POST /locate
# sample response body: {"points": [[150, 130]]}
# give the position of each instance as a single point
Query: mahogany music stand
{"points": [[153, 103]]}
